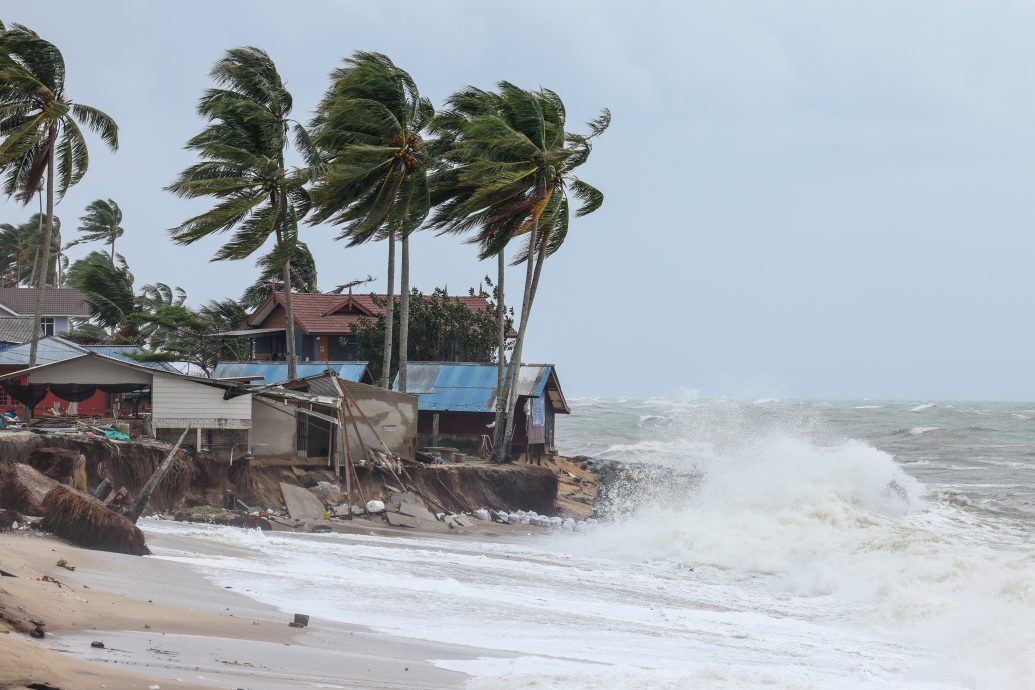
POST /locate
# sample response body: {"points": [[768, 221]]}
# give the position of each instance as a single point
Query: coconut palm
{"points": [[271, 277], [108, 290], [512, 170], [242, 166], [41, 133], [373, 178], [102, 222], [20, 250]]}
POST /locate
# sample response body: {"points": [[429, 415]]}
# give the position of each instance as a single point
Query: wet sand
{"points": [[163, 624]]}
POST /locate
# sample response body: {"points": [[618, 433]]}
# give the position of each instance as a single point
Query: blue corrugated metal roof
{"points": [[121, 352], [466, 387], [56, 349], [276, 372]]}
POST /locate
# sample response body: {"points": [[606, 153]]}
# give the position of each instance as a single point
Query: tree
{"points": [[108, 290], [442, 329], [242, 151], [41, 134], [20, 249], [373, 175], [303, 276], [102, 222], [511, 168]]}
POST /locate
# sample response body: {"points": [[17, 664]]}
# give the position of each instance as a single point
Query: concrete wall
{"points": [[393, 414], [273, 429], [178, 402]]}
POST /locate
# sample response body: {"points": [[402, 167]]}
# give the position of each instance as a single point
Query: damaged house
{"points": [[456, 405]]}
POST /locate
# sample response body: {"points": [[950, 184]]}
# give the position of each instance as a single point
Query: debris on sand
{"points": [[85, 521]]}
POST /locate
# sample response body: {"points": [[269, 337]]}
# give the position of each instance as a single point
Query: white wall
{"points": [[177, 402], [273, 428]]}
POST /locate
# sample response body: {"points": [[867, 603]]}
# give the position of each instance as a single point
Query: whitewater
{"points": [[861, 544]]}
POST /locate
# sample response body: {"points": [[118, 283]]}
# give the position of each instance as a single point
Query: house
{"points": [[456, 405], [56, 349], [323, 324], [219, 423], [276, 372], [61, 307], [298, 419]]}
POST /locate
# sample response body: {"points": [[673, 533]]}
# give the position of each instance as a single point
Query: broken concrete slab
{"points": [[301, 504]]}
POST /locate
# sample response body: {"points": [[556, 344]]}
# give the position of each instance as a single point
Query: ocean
{"points": [[822, 545]]}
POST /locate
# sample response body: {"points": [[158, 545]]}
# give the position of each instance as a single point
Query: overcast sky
{"points": [[804, 199]]}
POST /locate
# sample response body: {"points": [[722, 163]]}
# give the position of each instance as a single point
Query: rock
{"points": [[375, 507], [320, 528], [327, 492], [301, 621], [97, 644], [301, 504]]}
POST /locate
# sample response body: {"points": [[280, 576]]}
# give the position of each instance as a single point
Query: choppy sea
{"points": [[826, 545]]}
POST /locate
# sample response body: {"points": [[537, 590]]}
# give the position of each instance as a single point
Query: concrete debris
{"points": [[301, 504], [328, 492], [404, 510], [301, 621]]}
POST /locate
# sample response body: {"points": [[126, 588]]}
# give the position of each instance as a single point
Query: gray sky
{"points": [[804, 199]]}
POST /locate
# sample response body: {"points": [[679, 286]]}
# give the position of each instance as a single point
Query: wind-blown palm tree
{"points": [[41, 134], [271, 277], [102, 222], [242, 166], [512, 169], [373, 177], [108, 290], [20, 250]]}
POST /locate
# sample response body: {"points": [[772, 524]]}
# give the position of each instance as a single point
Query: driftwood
{"points": [[133, 514]]}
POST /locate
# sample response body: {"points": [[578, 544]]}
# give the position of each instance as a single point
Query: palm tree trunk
{"points": [[386, 371], [404, 312], [41, 272], [515, 360], [502, 436], [501, 342], [289, 324], [113, 248]]}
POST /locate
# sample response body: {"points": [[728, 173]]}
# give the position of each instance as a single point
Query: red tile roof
{"points": [[323, 314], [56, 301]]}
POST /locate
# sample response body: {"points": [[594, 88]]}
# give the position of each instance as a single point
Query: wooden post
{"points": [[197, 446], [133, 514], [344, 445], [434, 430], [79, 473]]}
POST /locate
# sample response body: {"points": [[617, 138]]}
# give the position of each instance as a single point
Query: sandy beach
{"points": [[162, 624]]}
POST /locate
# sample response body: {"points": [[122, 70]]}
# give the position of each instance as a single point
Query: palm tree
{"points": [[242, 151], [108, 290], [512, 168], [373, 178], [303, 276], [41, 134], [101, 223], [20, 250]]}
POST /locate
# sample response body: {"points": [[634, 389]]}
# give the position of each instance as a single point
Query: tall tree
{"points": [[512, 169], [373, 178], [242, 151], [102, 222], [41, 134]]}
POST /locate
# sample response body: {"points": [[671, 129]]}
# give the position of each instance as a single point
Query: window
{"points": [[47, 325]]}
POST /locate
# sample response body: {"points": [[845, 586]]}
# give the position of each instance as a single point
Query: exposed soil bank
{"points": [[198, 479]]}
